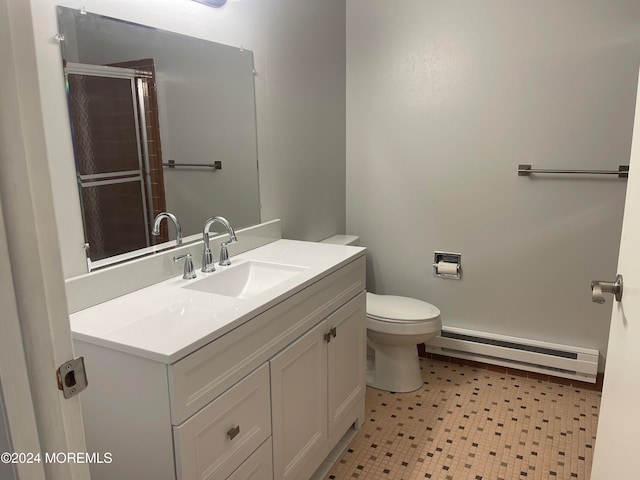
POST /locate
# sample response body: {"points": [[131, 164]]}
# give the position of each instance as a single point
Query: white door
{"points": [[16, 401], [35, 336], [619, 423]]}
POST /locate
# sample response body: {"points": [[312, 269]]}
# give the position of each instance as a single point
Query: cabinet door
{"points": [[299, 405], [346, 376]]}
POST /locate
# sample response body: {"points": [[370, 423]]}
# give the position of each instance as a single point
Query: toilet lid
{"points": [[392, 308]]}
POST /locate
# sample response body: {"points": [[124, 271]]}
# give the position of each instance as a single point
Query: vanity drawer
{"points": [[218, 439], [200, 377], [258, 466]]}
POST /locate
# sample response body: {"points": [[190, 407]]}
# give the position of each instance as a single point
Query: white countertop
{"points": [[165, 322]]}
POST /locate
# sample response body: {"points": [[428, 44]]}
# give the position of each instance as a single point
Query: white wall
{"points": [[444, 99], [299, 55]]}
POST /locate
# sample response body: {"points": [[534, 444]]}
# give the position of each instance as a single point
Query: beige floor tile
{"points": [[470, 423]]}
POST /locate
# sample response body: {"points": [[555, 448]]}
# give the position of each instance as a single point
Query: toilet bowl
{"points": [[395, 325]]}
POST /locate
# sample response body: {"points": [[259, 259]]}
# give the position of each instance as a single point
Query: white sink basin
{"points": [[246, 279]]}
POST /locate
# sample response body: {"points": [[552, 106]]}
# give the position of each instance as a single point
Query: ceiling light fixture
{"points": [[212, 3]]}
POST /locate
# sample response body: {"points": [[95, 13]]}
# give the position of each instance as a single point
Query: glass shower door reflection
{"points": [[109, 163]]}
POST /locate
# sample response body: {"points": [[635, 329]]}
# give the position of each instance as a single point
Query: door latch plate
{"points": [[72, 377]]}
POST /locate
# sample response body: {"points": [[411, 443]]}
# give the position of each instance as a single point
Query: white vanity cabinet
{"points": [[269, 399]]}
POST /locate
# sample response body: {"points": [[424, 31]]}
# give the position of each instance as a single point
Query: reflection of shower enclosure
{"points": [[117, 152]]}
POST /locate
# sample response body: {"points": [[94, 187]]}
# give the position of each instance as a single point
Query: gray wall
{"points": [[299, 55], [444, 100]]}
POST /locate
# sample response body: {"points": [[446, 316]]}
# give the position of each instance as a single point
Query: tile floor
{"points": [[471, 423]]}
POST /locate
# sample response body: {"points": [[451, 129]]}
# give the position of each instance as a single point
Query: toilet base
{"points": [[396, 368]]}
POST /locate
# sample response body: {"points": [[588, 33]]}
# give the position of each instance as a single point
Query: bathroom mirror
{"points": [[159, 122]]}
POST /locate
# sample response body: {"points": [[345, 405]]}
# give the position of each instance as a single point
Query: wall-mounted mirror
{"points": [[159, 122]]}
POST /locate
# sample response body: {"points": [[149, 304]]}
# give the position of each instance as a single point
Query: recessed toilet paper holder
{"points": [[447, 265]]}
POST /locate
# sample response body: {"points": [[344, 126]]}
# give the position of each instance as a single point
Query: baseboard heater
{"points": [[547, 358]]}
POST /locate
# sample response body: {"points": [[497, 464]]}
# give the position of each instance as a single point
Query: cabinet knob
{"points": [[333, 332], [233, 432]]}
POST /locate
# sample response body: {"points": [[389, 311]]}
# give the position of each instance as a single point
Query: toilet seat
{"points": [[414, 328], [396, 309], [394, 315]]}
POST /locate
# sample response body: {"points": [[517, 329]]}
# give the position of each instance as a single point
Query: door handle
{"points": [[599, 288]]}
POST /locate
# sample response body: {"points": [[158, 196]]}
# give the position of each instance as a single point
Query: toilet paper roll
{"points": [[446, 268]]}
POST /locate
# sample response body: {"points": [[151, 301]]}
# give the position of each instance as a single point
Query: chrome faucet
{"points": [[207, 257], [172, 217]]}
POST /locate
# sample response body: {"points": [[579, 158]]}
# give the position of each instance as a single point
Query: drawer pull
{"points": [[233, 432]]}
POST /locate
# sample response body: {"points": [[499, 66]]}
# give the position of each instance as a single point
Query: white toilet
{"points": [[395, 325]]}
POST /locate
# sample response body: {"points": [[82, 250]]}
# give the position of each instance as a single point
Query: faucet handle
{"points": [[224, 255], [189, 271]]}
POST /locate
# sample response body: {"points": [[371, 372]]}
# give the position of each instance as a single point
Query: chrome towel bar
{"points": [[526, 170], [217, 165]]}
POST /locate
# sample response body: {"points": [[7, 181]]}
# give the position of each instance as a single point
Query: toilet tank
{"points": [[343, 240]]}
